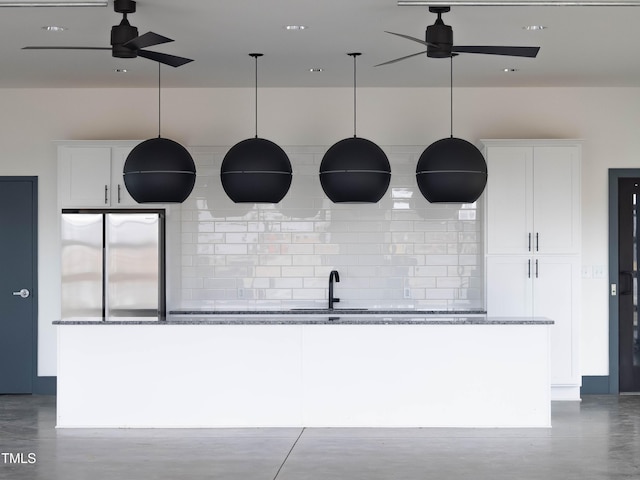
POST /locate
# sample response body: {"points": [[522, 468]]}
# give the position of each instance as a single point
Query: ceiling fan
{"points": [[439, 43], [125, 42]]}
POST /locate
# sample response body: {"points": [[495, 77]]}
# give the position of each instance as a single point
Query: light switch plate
{"points": [[598, 271]]}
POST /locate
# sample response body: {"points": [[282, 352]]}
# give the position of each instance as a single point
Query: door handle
{"points": [[24, 293]]}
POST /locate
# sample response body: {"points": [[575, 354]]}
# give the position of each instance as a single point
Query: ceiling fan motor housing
{"points": [[122, 33], [440, 40]]}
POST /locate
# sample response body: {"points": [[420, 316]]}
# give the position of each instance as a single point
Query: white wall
{"points": [[606, 118]]}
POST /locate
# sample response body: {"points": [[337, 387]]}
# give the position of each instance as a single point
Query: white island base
{"points": [[290, 374]]}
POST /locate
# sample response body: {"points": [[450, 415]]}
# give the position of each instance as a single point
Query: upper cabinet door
{"points": [[120, 196], [533, 199], [84, 176], [509, 200], [556, 196], [92, 175]]}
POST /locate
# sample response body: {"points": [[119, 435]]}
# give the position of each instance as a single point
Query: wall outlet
{"points": [[407, 292], [241, 293]]}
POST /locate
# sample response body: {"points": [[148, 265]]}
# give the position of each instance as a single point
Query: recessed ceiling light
{"points": [[54, 28], [532, 28], [315, 70], [509, 70], [295, 27]]}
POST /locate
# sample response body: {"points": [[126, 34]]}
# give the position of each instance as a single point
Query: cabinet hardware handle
{"points": [[536, 268], [106, 198], [529, 268], [119, 193], [529, 241], [537, 242]]}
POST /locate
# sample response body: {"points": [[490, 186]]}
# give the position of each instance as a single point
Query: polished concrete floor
{"points": [[596, 439]]}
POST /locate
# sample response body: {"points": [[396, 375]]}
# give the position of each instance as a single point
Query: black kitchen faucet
{"points": [[333, 276]]}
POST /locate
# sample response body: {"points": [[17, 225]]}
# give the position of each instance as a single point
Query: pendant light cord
{"points": [[355, 110], [255, 56], [159, 103], [354, 55], [451, 92]]}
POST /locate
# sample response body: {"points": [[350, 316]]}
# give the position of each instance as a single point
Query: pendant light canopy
{"points": [[355, 170], [256, 170], [451, 170], [159, 170]]}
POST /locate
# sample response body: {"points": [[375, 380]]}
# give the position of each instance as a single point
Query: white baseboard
{"points": [[565, 393]]}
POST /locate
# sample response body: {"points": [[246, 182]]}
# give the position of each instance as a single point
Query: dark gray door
{"points": [[18, 306], [628, 262]]}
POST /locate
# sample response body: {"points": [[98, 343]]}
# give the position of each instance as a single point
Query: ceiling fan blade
{"points": [[165, 58], [148, 39], [400, 59], [530, 52], [64, 48], [414, 39]]}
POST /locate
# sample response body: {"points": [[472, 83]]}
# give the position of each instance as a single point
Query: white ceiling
{"points": [[582, 46]]}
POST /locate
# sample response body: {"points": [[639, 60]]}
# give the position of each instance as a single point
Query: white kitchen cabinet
{"points": [[533, 197], [90, 174], [533, 243], [541, 286]]}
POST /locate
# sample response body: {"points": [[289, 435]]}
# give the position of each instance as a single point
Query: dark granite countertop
{"points": [[312, 319], [326, 311]]}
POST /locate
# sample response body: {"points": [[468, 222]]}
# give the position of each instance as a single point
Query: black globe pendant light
{"points": [[451, 170], [355, 170], [159, 170], [256, 170]]}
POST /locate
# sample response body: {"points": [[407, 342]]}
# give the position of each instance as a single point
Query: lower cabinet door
{"points": [[556, 294], [509, 286], [541, 286]]}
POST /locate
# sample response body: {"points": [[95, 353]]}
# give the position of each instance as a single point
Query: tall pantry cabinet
{"points": [[533, 244]]}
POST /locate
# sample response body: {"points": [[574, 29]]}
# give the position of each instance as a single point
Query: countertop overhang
{"points": [[341, 318]]}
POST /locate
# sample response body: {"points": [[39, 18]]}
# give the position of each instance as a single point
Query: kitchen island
{"points": [[347, 370]]}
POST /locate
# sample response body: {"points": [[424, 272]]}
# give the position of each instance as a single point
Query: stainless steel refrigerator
{"points": [[113, 264]]}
